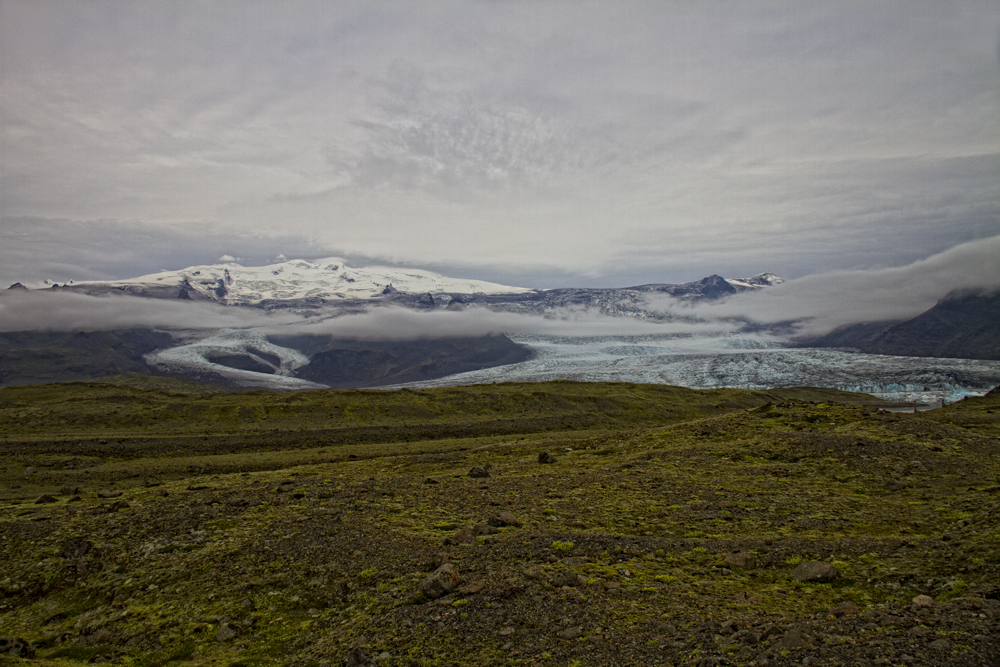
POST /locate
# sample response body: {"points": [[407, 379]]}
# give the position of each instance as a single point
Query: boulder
{"points": [[441, 582], [545, 457], [744, 560], [846, 608], [17, 647], [815, 570], [479, 472], [922, 602], [462, 536], [76, 547], [566, 578], [504, 519], [359, 657]]}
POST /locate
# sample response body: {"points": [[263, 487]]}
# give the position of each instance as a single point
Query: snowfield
{"points": [[327, 279]]}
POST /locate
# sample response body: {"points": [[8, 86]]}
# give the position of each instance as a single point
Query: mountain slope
{"points": [[32, 357], [965, 326]]}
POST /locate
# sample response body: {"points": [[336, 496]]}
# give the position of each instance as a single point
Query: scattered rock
{"points": [[922, 602], [16, 646], [506, 632], [792, 639], [431, 480], [566, 578], [285, 487], [741, 559], [118, 505], [359, 657], [534, 572], [42, 500], [30, 470], [225, 633], [74, 499], [441, 582], [462, 536], [485, 529], [940, 645], [109, 493], [473, 588], [570, 633], [545, 457], [480, 471], [815, 570], [846, 608], [76, 547], [70, 491], [504, 519], [894, 485]]}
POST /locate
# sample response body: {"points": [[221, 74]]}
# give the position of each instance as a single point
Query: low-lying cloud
{"points": [[812, 305], [822, 302], [46, 310]]}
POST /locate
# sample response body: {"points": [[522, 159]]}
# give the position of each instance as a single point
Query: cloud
{"points": [[53, 310], [48, 310], [820, 303], [228, 258], [643, 142]]}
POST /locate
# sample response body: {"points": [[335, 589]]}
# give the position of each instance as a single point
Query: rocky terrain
{"points": [[519, 524]]}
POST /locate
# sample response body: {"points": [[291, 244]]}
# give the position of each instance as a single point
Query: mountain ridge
{"points": [[297, 283]]}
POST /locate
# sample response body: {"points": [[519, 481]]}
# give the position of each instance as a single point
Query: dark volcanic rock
{"points": [[815, 570], [17, 647], [480, 471], [441, 582], [503, 519], [545, 457]]}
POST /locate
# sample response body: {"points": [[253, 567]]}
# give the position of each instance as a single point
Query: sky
{"points": [[538, 144]]}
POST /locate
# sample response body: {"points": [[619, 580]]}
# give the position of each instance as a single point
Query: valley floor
{"points": [[166, 526]]}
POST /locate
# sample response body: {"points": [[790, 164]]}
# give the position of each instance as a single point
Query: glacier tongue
{"points": [[195, 359], [745, 362]]}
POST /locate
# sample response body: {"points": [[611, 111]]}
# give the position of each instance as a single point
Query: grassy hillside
{"points": [[299, 528]]}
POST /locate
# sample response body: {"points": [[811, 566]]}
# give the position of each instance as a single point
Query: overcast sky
{"points": [[531, 143]]}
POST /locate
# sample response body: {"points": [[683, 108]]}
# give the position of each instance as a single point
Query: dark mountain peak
{"points": [[713, 287], [17, 286]]}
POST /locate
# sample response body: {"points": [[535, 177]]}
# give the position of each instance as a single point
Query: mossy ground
{"points": [[281, 528]]}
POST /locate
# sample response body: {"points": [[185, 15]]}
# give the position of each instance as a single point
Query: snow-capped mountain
{"points": [[325, 280], [330, 281], [758, 281]]}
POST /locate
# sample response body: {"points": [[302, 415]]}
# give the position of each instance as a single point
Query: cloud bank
{"points": [[812, 305], [823, 302], [591, 144]]}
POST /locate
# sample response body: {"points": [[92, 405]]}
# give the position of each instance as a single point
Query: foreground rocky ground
{"points": [[744, 529]]}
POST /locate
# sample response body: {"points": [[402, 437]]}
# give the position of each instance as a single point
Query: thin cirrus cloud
{"points": [[589, 144]]}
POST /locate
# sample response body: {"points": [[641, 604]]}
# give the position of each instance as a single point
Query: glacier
{"points": [[745, 362]]}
